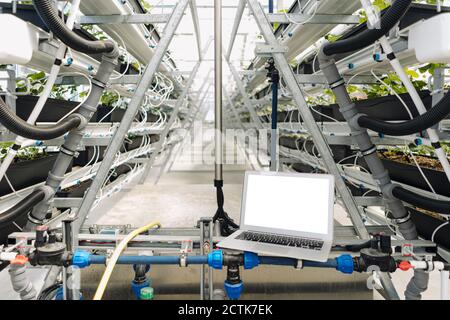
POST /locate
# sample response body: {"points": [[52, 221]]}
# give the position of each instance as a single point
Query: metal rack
{"points": [[112, 135]]}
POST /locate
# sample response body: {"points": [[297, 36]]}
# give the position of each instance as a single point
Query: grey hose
{"points": [[21, 283]]}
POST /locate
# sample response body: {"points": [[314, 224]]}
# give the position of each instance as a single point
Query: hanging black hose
{"points": [[227, 225], [369, 36], [22, 207], [20, 127], [418, 124], [421, 201], [51, 18]]}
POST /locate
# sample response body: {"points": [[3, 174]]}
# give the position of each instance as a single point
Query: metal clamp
{"points": [[266, 50], [183, 261]]}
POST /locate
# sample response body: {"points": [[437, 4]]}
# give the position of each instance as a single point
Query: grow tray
{"points": [[23, 174], [406, 172]]}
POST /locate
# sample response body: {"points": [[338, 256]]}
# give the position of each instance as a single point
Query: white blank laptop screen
{"points": [[288, 203]]}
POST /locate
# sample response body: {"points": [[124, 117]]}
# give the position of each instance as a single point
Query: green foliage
{"points": [[24, 154]]}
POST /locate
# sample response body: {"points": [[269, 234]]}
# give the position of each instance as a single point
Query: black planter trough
{"points": [[24, 174], [86, 155], [55, 109], [118, 114], [340, 152], [427, 224], [409, 174]]}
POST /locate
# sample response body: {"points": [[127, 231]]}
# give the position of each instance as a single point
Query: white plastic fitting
{"points": [[19, 39], [431, 39]]}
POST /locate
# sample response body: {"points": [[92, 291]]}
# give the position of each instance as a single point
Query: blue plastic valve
{"points": [[215, 259], [345, 264], [234, 291], [418, 142], [136, 287], [81, 259], [251, 260]]}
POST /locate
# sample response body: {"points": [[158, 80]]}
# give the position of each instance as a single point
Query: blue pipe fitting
{"points": [[234, 291], [345, 264], [418, 142], [215, 259], [251, 260], [136, 287], [81, 259]]}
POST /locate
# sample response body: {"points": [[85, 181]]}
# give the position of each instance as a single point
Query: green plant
{"points": [[24, 154]]}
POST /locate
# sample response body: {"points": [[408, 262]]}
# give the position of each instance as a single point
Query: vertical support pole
{"points": [[70, 288], [274, 80], [438, 88], [218, 89], [270, 6], [206, 243], [310, 123], [136, 101]]}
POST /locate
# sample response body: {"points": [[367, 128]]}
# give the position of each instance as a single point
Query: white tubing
{"points": [[45, 93], [434, 137]]}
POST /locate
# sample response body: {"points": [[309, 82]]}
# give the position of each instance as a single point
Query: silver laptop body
{"points": [[286, 214]]}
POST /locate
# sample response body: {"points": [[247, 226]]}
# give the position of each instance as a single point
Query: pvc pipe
{"points": [[151, 260], [45, 93], [279, 261]]}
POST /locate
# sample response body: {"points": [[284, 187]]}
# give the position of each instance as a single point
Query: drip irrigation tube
{"points": [[20, 127], [421, 201], [22, 206], [369, 36], [51, 18]]}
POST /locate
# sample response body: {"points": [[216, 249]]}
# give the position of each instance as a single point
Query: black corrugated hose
{"points": [[421, 201], [51, 18], [20, 127], [369, 36], [22, 207], [418, 124]]}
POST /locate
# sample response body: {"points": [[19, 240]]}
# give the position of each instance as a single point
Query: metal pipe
{"points": [[218, 89], [237, 22], [194, 13]]}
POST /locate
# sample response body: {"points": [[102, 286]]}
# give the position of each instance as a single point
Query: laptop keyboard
{"points": [[281, 240]]}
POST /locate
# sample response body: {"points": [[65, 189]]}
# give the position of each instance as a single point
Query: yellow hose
{"points": [[115, 256]]}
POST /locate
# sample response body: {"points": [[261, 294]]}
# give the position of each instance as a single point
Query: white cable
{"points": [[420, 170], [437, 229]]}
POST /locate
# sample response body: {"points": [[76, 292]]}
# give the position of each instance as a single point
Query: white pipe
{"points": [[395, 63], [45, 93]]}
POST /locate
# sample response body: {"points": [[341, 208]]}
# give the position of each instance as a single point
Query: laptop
{"points": [[287, 215]]}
